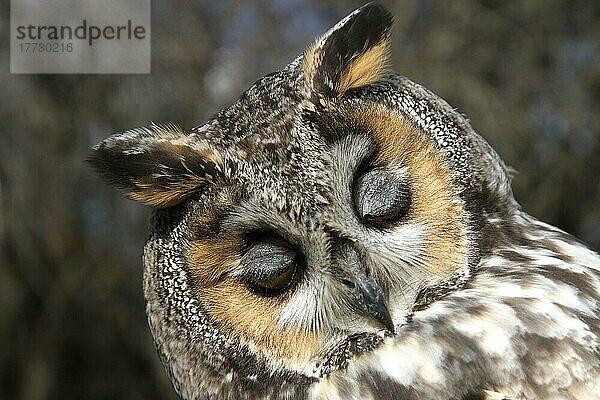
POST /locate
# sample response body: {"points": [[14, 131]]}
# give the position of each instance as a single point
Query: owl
{"points": [[341, 232]]}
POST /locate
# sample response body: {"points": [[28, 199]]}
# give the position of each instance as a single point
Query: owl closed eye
{"points": [[341, 232]]}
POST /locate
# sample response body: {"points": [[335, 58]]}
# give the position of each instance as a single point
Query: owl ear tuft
{"points": [[352, 54], [158, 165]]}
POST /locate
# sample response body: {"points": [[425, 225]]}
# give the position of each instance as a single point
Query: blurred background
{"points": [[72, 320]]}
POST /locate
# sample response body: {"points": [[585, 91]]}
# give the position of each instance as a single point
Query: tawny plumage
{"points": [[340, 232]]}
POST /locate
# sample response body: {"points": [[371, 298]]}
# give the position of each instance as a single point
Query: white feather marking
{"points": [[492, 335]]}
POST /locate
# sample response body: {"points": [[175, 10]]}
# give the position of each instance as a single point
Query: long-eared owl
{"points": [[340, 232]]}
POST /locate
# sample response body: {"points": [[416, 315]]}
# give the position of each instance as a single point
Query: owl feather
{"points": [[341, 232]]}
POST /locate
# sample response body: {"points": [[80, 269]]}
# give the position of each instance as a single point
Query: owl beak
{"points": [[371, 301]]}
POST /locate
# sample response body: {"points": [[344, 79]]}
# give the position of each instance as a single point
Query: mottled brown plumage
{"points": [[340, 232]]}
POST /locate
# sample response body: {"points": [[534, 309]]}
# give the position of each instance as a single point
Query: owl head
{"points": [[308, 222]]}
